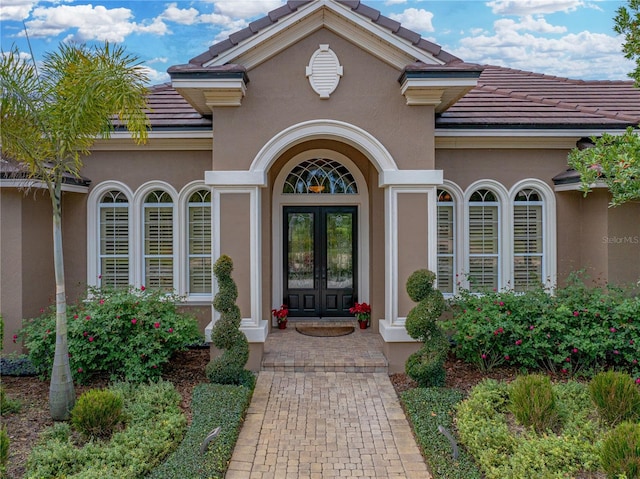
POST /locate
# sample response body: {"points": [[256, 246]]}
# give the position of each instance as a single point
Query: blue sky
{"points": [[569, 38]]}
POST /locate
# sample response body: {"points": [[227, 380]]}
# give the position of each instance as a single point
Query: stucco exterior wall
{"points": [[623, 243], [279, 95]]}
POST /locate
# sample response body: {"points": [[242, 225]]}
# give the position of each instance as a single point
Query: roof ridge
{"points": [[557, 78], [292, 6]]}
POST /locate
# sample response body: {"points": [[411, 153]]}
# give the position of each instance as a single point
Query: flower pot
{"points": [[363, 324], [282, 325]]}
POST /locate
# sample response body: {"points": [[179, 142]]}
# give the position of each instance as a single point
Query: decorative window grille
{"points": [[199, 242], [484, 241], [446, 242], [158, 241], [320, 176], [114, 240], [528, 251]]}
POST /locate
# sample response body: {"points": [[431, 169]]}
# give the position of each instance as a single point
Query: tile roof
{"points": [[169, 110], [289, 8], [504, 98], [513, 98]]}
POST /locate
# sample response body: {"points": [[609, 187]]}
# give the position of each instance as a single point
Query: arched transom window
{"points": [[320, 176]]}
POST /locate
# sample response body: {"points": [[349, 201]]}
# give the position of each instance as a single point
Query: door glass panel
{"points": [[300, 258], [339, 250]]}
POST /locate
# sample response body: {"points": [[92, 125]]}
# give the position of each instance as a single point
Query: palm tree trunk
{"points": [[62, 395]]}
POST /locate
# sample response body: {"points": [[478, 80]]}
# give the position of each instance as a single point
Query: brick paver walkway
{"points": [[322, 424]]}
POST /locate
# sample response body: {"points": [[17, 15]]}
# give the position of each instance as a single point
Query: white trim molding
{"points": [[255, 328]]}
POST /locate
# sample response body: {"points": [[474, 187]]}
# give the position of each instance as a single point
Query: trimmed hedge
{"points": [[428, 408], [213, 405]]}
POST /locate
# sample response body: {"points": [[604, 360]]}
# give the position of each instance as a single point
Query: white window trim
{"points": [[183, 245], [549, 263], [93, 229], [504, 236], [138, 232], [457, 196]]}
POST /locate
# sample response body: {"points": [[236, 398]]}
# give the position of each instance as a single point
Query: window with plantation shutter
{"points": [[528, 242], [446, 242], [199, 242], [483, 241], [158, 241], [114, 240]]}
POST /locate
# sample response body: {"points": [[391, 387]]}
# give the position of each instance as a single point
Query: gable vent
{"points": [[324, 71]]}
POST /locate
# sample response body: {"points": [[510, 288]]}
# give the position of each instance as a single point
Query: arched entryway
{"points": [[320, 228]]}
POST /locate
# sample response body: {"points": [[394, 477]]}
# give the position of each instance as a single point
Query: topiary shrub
{"points": [[426, 366], [97, 413], [615, 396], [620, 453], [228, 368], [533, 402]]}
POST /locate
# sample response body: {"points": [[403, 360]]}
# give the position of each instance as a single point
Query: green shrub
{"points": [[4, 450], [533, 402], [620, 453], [155, 426], [426, 366], [483, 428], [580, 329], [228, 368], [129, 334], [213, 405], [615, 396], [97, 413], [420, 284], [7, 404], [428, 408]]}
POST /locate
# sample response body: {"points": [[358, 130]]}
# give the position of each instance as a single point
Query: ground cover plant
{"points": [[507, 449], [426, 409], [128, 334], [213, 405], [154, 426], [580, 330]]}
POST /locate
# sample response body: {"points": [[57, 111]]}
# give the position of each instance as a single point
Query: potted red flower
{"points": [[281, 316], [363, 314]]}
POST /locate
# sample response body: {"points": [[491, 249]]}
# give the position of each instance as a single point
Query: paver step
{"points": [[358, 352]]}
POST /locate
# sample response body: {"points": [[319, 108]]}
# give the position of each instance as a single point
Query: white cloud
{"points": [[527, 23], [528, 7], [579, 55], [394, 2], [16, 9], [414, 19], [157, 60], [183, 16], [245, 8], [155, 76], [90, 23]]}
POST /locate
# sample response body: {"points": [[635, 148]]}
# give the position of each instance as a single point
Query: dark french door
{"points": [[320, 260]]}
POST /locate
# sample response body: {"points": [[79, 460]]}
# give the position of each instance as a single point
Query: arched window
{"points": [[199, 242], [320, 176], [446, 242], [158, 241], [484, 241], [528, 239], [113, 252]]}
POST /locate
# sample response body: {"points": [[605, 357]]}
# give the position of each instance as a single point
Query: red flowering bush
{"points": [[281, 314], [129, 334], [362, 311], [579, 329]]}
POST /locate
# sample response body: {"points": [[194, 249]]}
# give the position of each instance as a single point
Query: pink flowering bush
{"points": [[580, 329], [129, 334]]}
